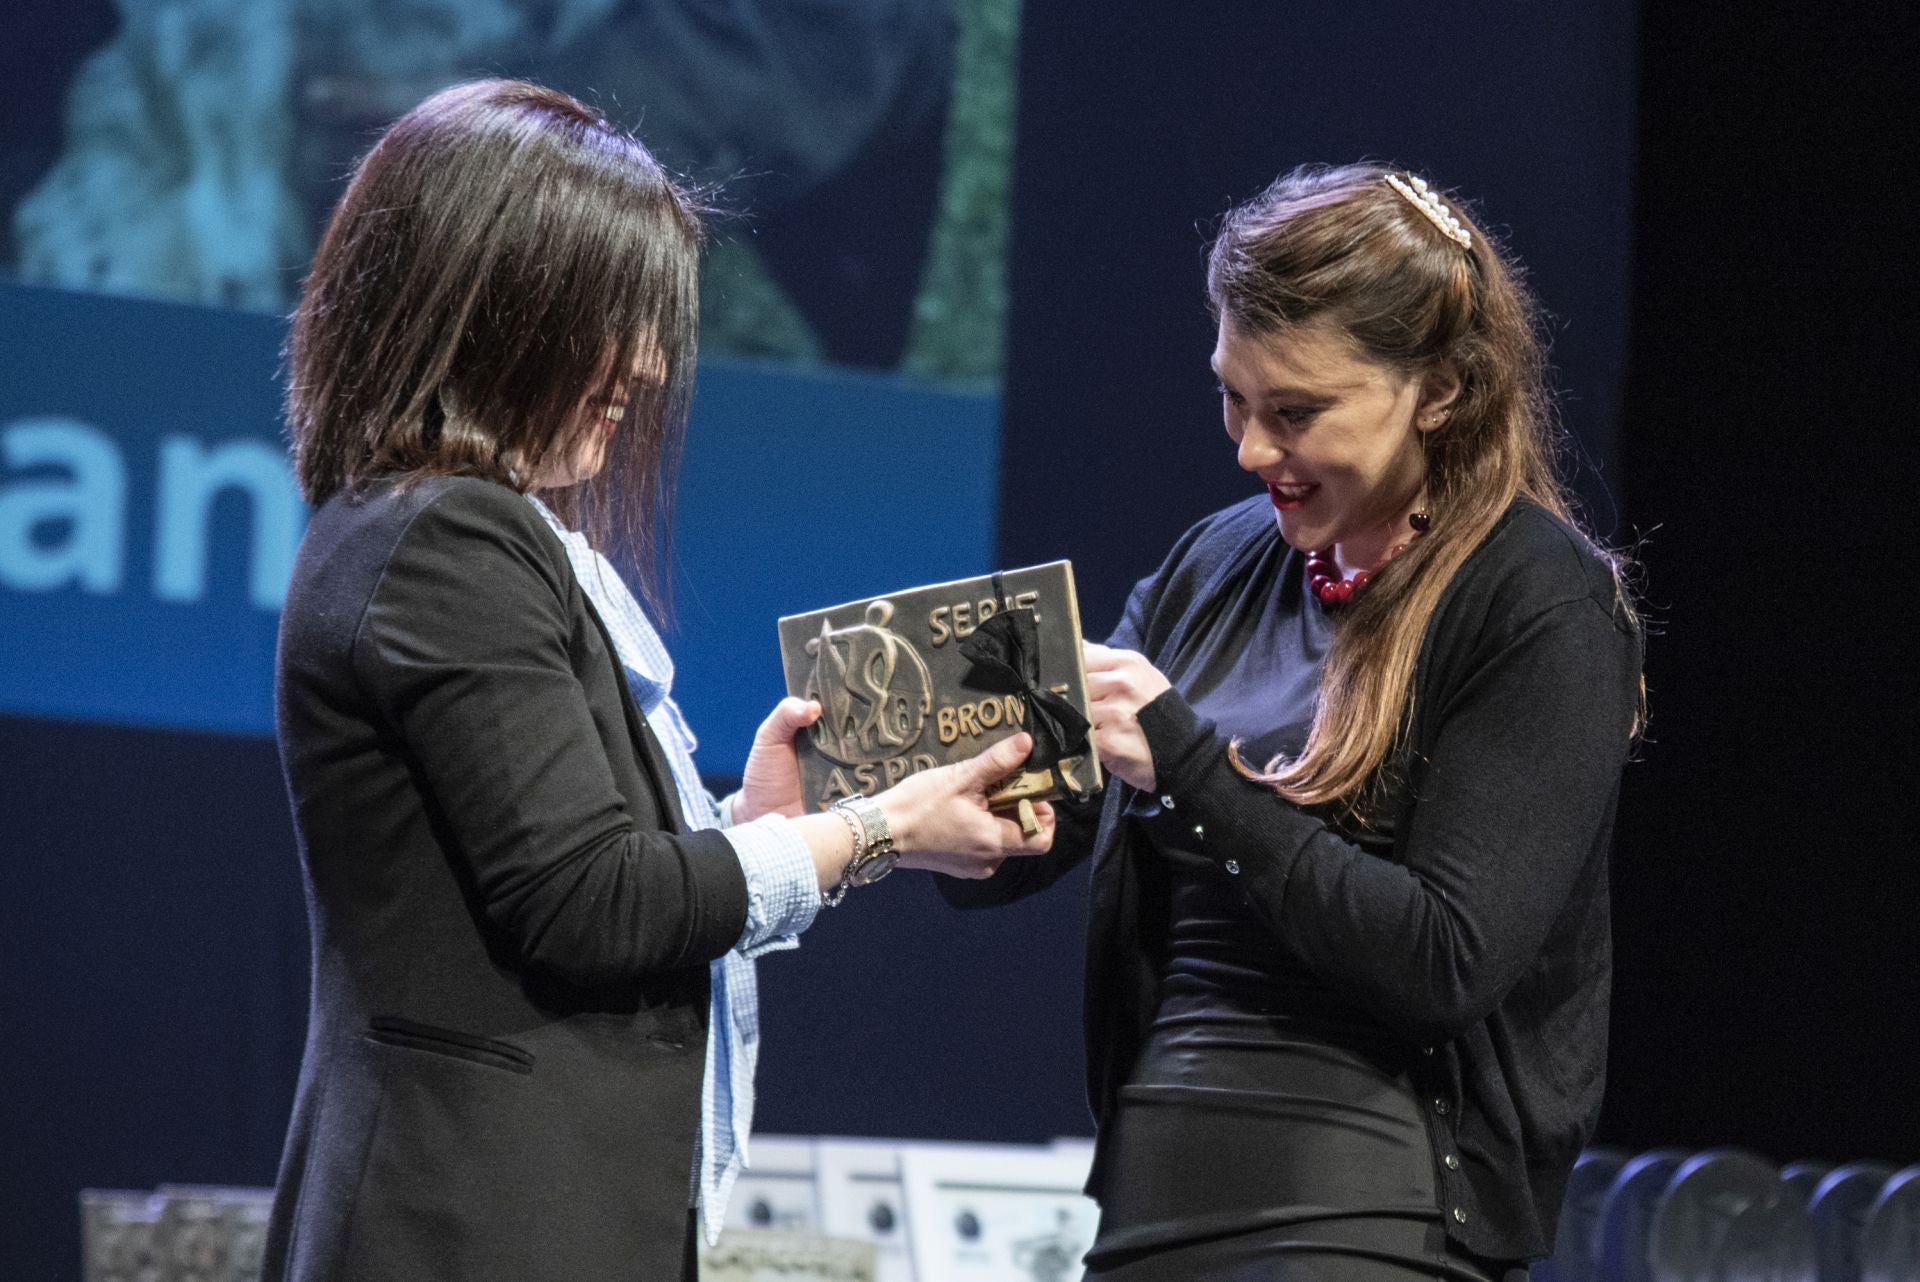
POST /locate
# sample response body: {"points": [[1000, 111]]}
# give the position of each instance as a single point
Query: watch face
{"points": [[874, 869]]}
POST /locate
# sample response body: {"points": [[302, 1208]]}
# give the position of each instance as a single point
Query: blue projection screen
{"points": [[148, 517]]}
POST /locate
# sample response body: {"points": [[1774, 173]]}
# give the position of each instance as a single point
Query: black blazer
{"points": [[1470, 917], [511, 923]]}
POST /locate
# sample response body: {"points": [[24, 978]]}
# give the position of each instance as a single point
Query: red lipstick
{"points": [[1290, 498]]}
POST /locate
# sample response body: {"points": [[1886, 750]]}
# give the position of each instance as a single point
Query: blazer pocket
{"points": [[390, 1030]]}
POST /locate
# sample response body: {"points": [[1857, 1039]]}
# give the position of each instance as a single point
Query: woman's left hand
{"points": [[1119, 684], [771, 784]]}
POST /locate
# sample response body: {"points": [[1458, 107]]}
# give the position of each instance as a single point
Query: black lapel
{"points": [[652, 757]]}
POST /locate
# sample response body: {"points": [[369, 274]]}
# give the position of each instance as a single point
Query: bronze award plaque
{"points": [[917, 679]]}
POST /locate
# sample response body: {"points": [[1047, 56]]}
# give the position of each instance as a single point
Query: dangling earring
{"points": [[1420, 519]]}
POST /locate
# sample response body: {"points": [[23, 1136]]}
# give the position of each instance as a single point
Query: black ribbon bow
{"points": [[1005, 650]]}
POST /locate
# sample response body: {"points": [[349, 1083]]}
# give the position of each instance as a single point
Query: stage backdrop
{"points": [[153, 933]]}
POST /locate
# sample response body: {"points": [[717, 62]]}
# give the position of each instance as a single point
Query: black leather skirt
{"points": [[1244, 1147]]}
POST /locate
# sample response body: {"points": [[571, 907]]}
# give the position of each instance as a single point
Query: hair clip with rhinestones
{"points": [[1427, 202]]}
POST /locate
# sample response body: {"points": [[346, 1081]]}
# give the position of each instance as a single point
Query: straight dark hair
{"points": [[499, 262]]}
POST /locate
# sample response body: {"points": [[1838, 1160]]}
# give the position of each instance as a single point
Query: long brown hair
{"points": [[500, 258], [1342, 249]]}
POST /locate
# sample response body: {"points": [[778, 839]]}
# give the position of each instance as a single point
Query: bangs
{"points": [[588, 271]]}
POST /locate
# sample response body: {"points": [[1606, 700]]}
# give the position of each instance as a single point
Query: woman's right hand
{"points": [[940, 819]]}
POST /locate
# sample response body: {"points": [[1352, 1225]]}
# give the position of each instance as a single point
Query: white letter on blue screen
{"points": [[91, 501], [191, 477]]}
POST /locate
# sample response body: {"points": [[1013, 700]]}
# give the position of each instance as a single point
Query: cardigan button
{"points": [[1233, 866], [1199, 832], [1166, 801], [1459, 1216], [1440, 1107], [1453, 1163]]}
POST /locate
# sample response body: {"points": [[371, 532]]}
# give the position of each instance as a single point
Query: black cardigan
{"points": [[1475, 922]]}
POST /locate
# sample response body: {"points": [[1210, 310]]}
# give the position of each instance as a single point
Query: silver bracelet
{"points": [[874, 855], [832, 898]]}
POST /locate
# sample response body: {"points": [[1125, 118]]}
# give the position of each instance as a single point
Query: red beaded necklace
{"points": [[1323, 572]]}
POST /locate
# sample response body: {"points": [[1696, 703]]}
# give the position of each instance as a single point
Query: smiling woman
{"points": [[1347, 1010], [1339, 439], [597, 419], [1341, 274], [534, 929]]}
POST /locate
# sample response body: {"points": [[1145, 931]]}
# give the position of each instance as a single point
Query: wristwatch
{"points": [[874, 855]]}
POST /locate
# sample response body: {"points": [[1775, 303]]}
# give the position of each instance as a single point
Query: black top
{"points": [[512, 924], [1471, 920], [1254, 672], [1265, 1115]]}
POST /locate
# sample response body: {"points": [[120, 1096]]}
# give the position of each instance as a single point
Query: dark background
{"points": [[1768, 895], [40, 46], [1713, 211], [1751, 440]]}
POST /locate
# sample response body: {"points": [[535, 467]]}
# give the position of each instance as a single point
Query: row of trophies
{"points": [[859, 1210], [809, 1210], [1726, 1215]]}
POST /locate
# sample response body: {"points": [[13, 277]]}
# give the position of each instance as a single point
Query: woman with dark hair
{"points": [[1348, 956], [531, 1045]]}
